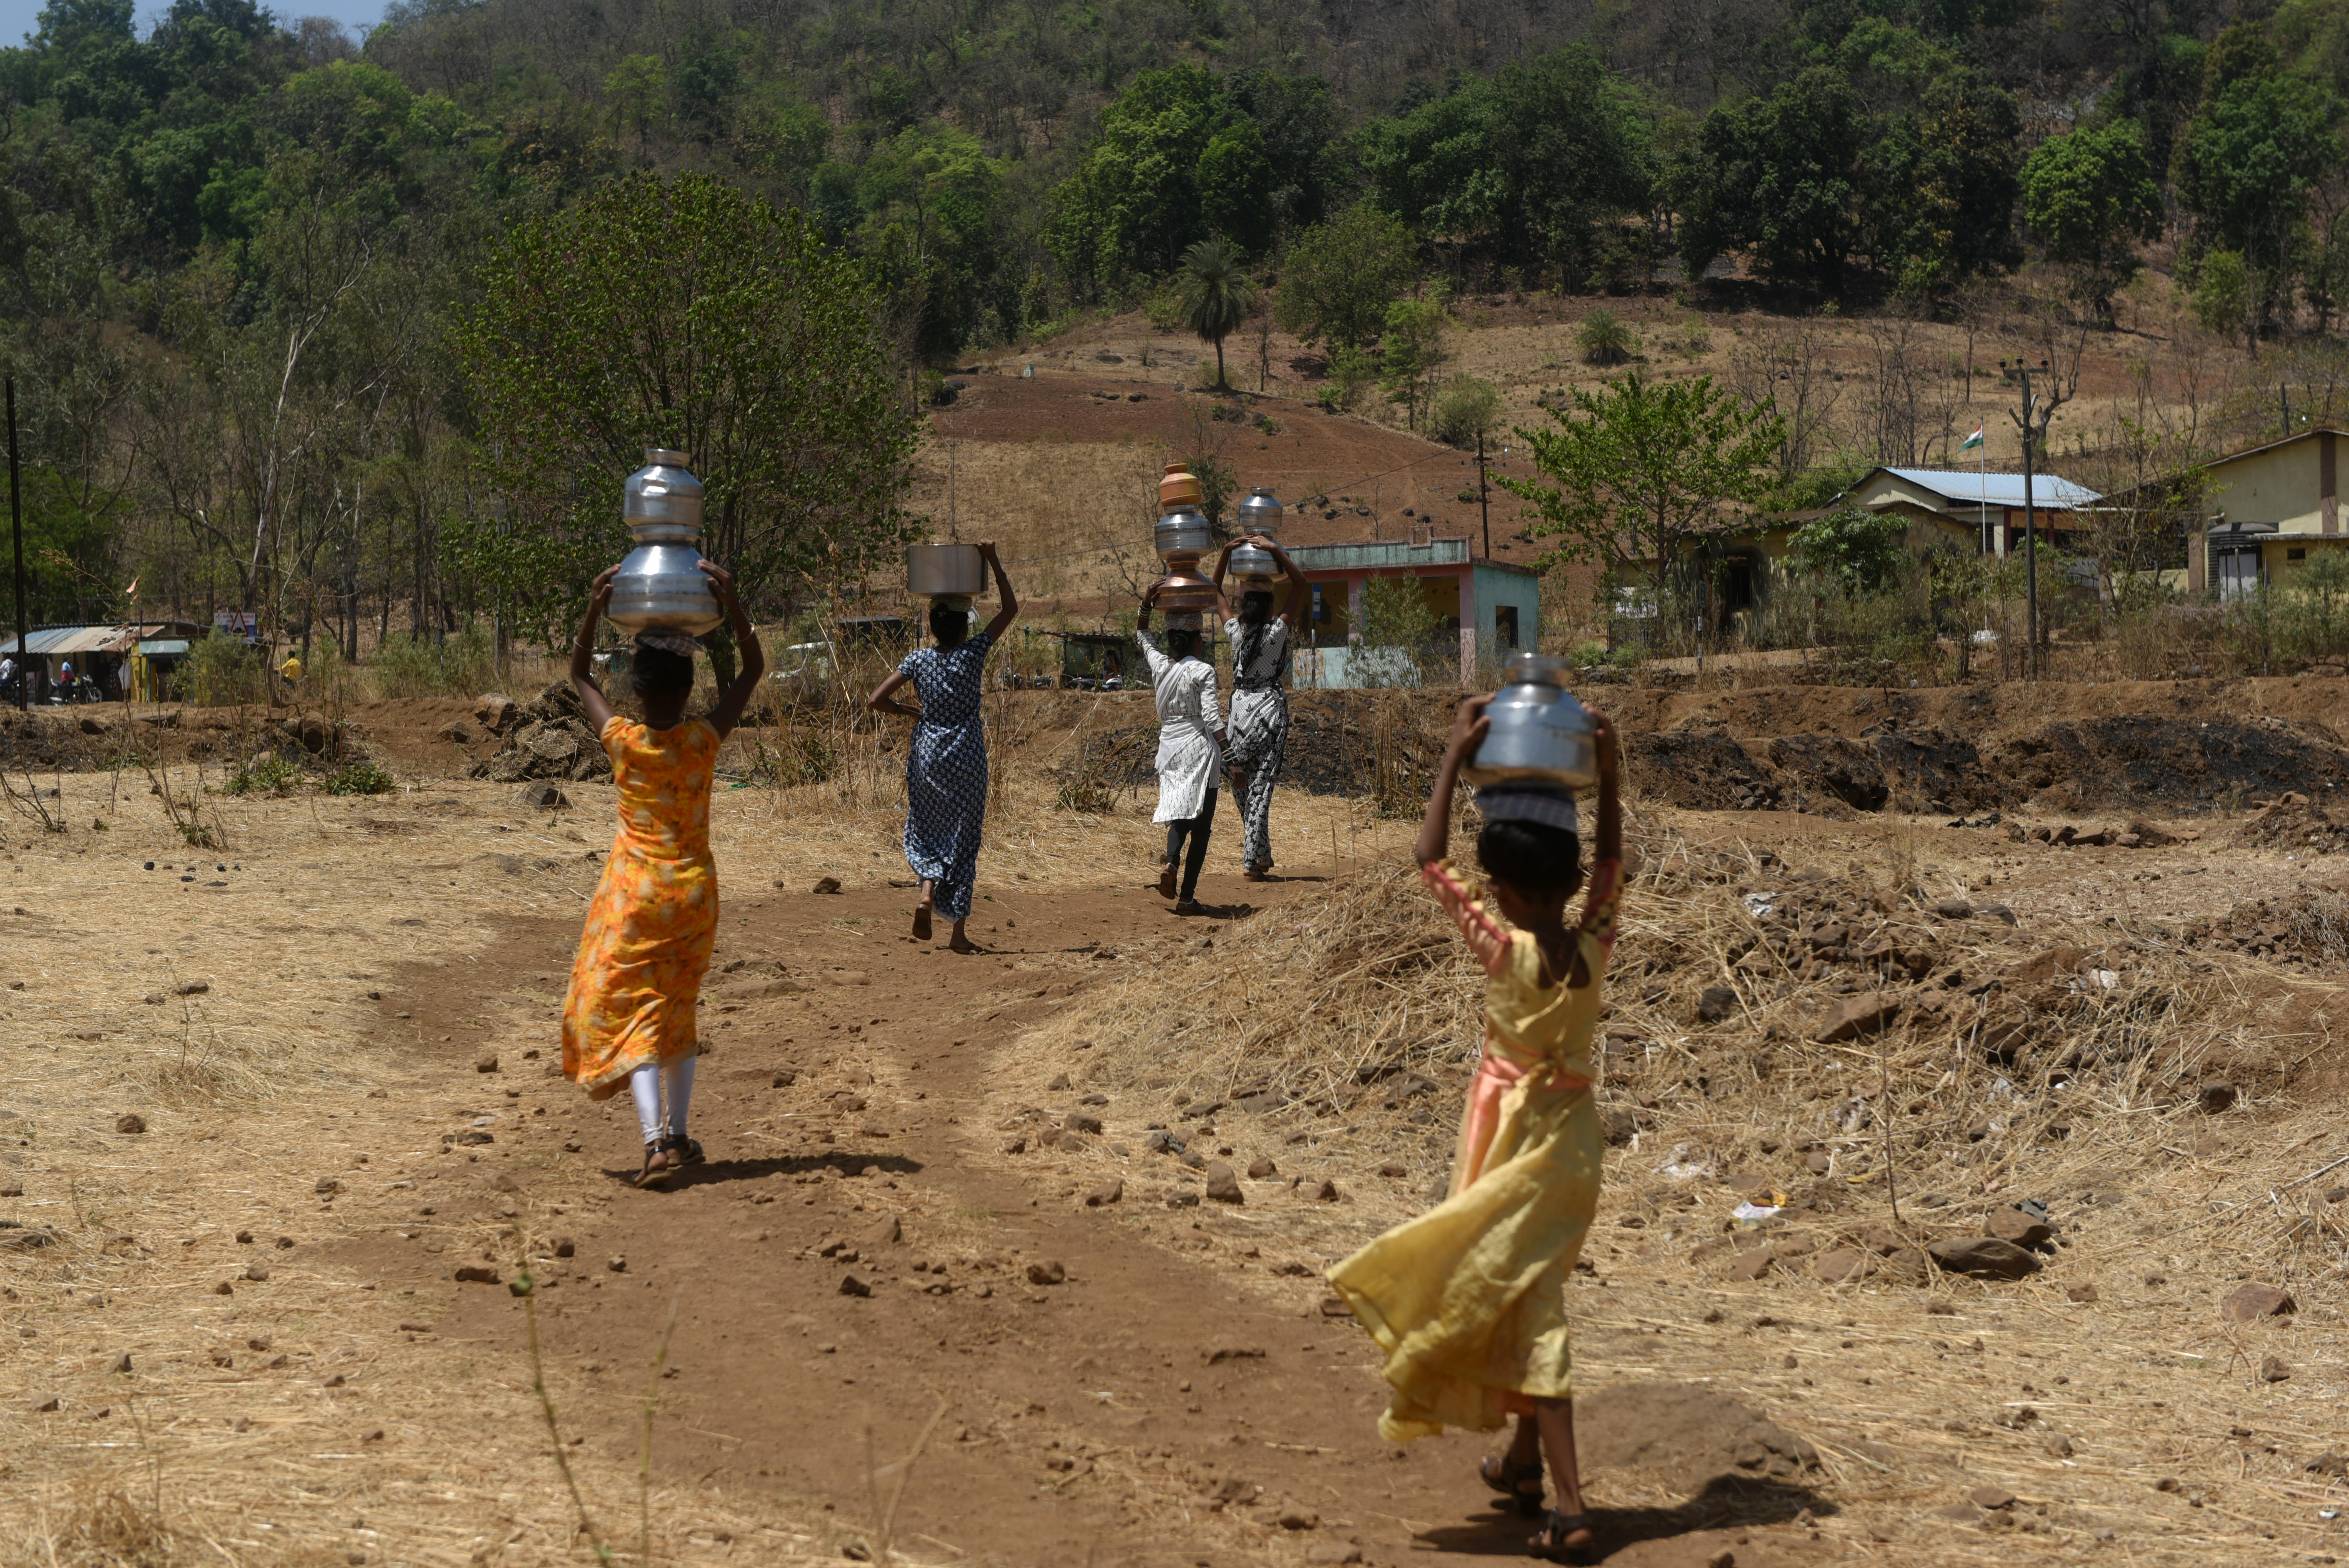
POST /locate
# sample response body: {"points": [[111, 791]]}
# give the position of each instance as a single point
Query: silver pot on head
{"points": [[1539, 733], [661, 583]]}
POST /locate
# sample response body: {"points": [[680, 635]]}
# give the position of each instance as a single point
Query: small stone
{"points": [[2214, 1097], [2168, 1483], [563, 1246], [1818, 1163], [130, 1123], [1060, 1081], [223, 1289], [1855, 1015], [2250, 1303], [257, 1273], [1261, 1169], [1990, 1497], [1223, 1187], [1721, 1560], [1108, 1192], [616, 1263], [1016, 1145], [2272, 1370], [1392, 1168], [851, 1285], [1299, 1519], [487, 1062], [784, 1080], [1984, 1257], [2057, 1445], [2085, 1294], [1336, 1306], [1752, 1264], [329, 1186], [43, 1405], [476, 1273], [121, 1363], [888, 1233], [2014, 1224], [1047, 1271], [1954, 909], [825, 885], [1840, 1264], [1323, 1192], [1715, 1003]]}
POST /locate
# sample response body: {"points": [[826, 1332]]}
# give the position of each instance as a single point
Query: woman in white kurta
{"points": [[1190, 748]]}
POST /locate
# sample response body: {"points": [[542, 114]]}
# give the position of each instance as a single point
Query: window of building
{"points": [[1504, 626], [2297, 552]]}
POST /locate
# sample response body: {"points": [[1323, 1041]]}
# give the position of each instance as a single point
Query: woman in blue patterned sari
{"points": [[945, 765]]}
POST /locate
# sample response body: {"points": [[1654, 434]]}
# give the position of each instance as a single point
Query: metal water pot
{"points": [[660, 582], [1183, 537], [1539, 733], [1259, 513], [951, 569]]}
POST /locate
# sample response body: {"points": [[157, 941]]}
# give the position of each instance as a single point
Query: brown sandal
{"points": [[659, 1166], [1167, 881], [922, 921]]}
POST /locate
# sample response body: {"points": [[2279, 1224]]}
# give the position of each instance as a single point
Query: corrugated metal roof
{"points": [[1372, 554], [54, 642], [1999, 490]]}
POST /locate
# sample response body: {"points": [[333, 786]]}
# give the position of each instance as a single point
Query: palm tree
{"points": [[1216, 295]]}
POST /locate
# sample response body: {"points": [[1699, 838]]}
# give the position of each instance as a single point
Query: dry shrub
{"points": [[106, 1530]]}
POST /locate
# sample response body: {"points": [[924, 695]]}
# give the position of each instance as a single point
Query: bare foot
{"points": [[959, 942]]}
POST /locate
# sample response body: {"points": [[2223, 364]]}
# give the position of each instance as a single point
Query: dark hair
{"points": [[1256, 604], [656, 672], [948, 623], [1181, 643], [1535, 858]]}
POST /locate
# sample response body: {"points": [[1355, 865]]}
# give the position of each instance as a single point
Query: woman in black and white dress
{"points": [[1259, 724]]}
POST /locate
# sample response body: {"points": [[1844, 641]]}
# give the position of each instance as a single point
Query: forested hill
{"points": [[184, 204]]}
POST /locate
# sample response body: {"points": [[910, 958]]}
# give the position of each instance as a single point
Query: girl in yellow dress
{"points": [[629, 1016], [1468, 1301]]}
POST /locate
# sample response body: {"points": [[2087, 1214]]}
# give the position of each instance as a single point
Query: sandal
{"points": [[1167, 881], [681, 1152], [659, 1166], [1522, 1483], [1550, 1545], [922, 922], [1187, 907]]}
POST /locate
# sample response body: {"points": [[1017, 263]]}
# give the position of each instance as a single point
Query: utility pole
{"points": [[16, 527], [2019, 371], [1483, 495]]}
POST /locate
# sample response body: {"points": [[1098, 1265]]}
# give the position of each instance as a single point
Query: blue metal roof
{"points": [[1966, 486]]}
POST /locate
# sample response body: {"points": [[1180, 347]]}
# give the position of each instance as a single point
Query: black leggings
{"points": [[1195, 828]]}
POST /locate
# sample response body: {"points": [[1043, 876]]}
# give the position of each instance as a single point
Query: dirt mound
{"points": [[2176, 762], [550, 739], [2310, 928], [2295, 824], [1689, 1437]]}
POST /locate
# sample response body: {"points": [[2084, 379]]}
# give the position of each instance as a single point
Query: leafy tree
{"points": [[1857, 551], [680, 313], [1340, 276], [2246, 163], [638, 88], [1133, 206], [1468, 408], [1235, 184], [1412, 354], [1216, 295], [1528, 165], [1294, 117], [1636, 465], [931, 202], [1942, 183], [1783, 176], [2089, 197]]}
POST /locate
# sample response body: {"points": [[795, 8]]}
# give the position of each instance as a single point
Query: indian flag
{"points": [[1970, 442]]}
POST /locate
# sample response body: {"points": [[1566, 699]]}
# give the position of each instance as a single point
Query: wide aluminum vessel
{"points": [[946, 569], [1539, 733], [1260, 514], [661, 584]]}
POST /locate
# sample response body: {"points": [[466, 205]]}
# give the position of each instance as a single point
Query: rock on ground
{"points": [[1685, 1436], [1984, 1257]]}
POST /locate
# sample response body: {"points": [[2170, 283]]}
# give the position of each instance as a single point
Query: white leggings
{"points": [[650, 1082]]}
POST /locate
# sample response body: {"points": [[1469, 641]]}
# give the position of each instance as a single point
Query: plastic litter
{"points": [[1749, 1215], [1760, 904]]}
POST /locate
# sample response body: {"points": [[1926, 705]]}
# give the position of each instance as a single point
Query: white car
{"points": [[803, 671]]}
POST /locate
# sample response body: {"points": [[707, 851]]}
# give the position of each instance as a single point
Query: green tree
{"points": [[2089, 198], [2246, 163], [638, 88], [1636, 465], [1529, 165], [1339, 277], [1396, 615], [1216, 295], [681, 313], [1857, 550], [1133, 205], [1467, 410], [1782, 176], [1236, 187], [1410, 354]]}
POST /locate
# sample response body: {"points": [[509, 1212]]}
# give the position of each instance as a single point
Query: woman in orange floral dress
{"points": [[629, 1015]]}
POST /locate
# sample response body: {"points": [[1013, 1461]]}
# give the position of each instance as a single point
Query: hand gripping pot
{"points": [[661, 583], [1259, 513], [1539, 733]]}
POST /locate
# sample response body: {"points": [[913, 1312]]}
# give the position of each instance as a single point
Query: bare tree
{"points": [[1784, 369], [1911, 409]]}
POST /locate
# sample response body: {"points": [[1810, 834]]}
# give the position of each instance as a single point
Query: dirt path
{"points": [[1143, 1410]]}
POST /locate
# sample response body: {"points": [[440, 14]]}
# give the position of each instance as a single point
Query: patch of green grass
{"points": [[265, 776], [360, 778]]}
